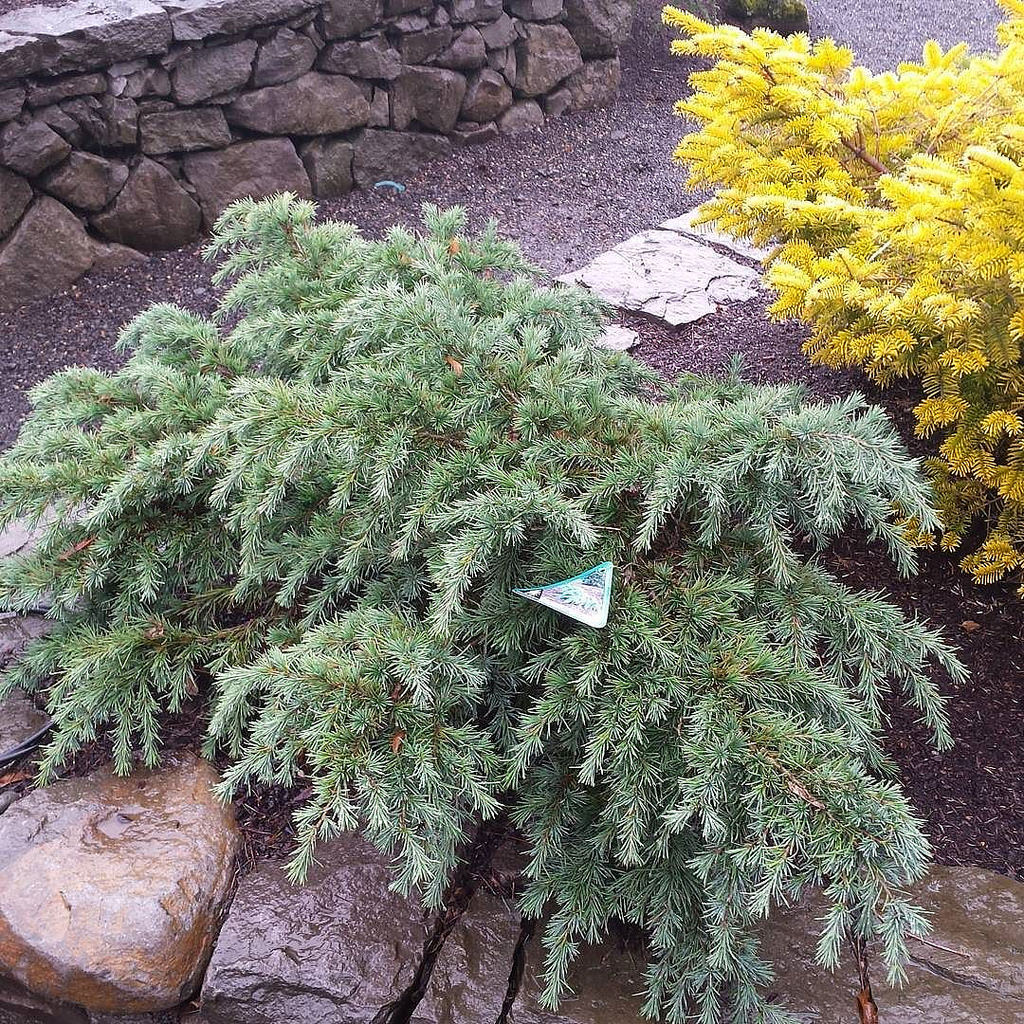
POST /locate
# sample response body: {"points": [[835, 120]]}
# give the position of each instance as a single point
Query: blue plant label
{"points": [[585, 598]]}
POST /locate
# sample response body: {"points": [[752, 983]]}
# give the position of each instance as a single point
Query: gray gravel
{"points": [[884, 32]]}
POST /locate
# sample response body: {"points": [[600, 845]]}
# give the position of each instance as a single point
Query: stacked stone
{"points": [[129, 125]]}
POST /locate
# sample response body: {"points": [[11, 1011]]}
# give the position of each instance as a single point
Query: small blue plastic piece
{"points": [[390, 184]]}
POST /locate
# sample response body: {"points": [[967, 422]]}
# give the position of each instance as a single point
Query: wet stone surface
{"points": [[120, 885]]}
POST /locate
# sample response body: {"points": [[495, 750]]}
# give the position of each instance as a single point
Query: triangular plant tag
{"points": [[585, 598]]}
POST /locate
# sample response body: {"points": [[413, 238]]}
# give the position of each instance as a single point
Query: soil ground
{"points": [[567, 192]]}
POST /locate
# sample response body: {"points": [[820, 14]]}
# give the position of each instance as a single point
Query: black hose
{"points": [[26, 746]]}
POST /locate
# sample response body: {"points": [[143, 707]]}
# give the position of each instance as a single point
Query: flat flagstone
{"points": [[667, 275]]}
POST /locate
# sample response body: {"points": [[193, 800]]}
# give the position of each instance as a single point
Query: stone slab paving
{"points": [[671, 275]]}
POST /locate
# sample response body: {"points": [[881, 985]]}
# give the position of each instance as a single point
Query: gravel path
{"points": [[884, 32]]}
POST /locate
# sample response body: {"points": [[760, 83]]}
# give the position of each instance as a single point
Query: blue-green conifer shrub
{"points": [[306, 515]]}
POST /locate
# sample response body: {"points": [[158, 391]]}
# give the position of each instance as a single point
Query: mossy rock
{"points": [[785, 16]]}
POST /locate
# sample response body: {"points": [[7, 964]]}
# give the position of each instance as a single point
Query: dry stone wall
{"points": [[126, 126]]}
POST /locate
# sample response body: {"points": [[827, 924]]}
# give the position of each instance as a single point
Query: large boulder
{"points": [[90, 33], [151, 212], [384, 155], [15, 195], [600, 27], [430, 96], [314, 104], [545, 56], [202, 74], [46, 253], [468, 51], [342, 945], [86, 181], [476, 11], [43, 94], [21, 55], [120, 886], [254, 169], [969, 970]]}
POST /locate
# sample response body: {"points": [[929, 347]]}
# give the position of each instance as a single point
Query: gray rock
{"points": [[430, 96], [315, 104], [380, 109], [335, 948], [144, 82], [685, 225], [344, 18], [668, 276], [545, 56], [85, 180], [467, 52], [535, 10], [19, 1006], [394, 155], [617, 339], [20, 719], [487, 97], [213, 71], [556, 103], [110, 256], [121, 886], [469, 133], [15, 195], [504, 62], [369, 58], [341, 946], [31, 148], [498, 33], [328, 163], [108, 122], [89, 33], [600, 27], [595, 85], [521, 116], [255, 169], [182, 131], [63, 124], [192, 20], [420, 47], [43, 94], [151, 212], [394, 8], [12, 99], [969, 970], [23, 55], [18, 538], [283, 57], [476, 11]]}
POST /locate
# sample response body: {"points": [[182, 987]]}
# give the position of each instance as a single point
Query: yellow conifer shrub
{"points": [[895, 205]]}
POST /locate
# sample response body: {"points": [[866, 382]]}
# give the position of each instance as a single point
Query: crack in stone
{"points": [[955, 977], [464, 887], [517, 968]]}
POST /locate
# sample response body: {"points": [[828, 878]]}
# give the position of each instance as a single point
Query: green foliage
{"points": [[312, 511]]}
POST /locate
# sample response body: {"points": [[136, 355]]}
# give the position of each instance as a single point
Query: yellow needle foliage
{"points": [[895, 203]]}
